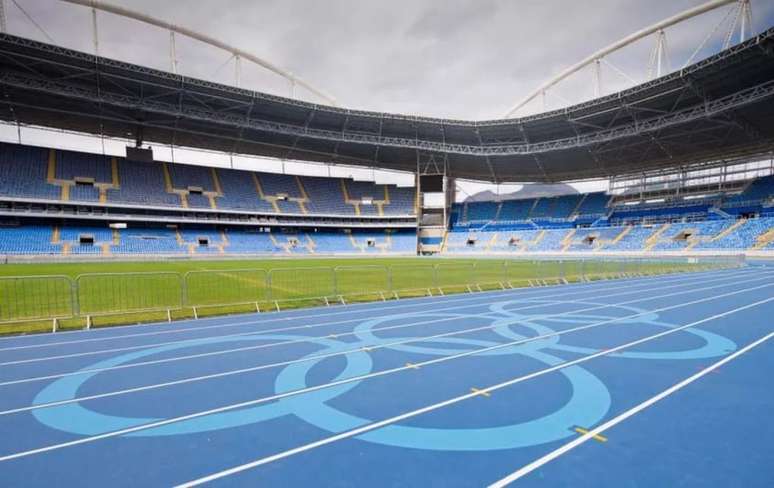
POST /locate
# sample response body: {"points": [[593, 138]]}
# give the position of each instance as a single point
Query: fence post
{"points": [[269, 291], [335, 281], [184, 290], [74, 302]]}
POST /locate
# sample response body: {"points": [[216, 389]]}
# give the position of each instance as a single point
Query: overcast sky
{"points": [[467, 59]]}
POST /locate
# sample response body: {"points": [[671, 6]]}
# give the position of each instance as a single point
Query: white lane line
{"points": [[525, 470], [398, 304], [430, 408], [240, 371], [367, 427], [374, 347], [197, 340], [306, 339]]}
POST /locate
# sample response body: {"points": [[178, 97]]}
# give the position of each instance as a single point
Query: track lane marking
{"points": [[203, 340], [596, 437], [430, 408], [377, 346], [393, 327], [379, 424], [478, 391], [525, 470]]}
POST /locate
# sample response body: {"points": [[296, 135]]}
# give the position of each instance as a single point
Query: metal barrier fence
{"points": [[55, 298], [24, 298], [233, 287]]}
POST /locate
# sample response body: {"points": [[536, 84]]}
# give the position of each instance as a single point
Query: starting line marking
{"points": [[596, 437], [481, 392]]}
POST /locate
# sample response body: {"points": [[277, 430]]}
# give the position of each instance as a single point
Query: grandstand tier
{"points": [[590, 222], [741, 221], [86, 238], [66, 176]]}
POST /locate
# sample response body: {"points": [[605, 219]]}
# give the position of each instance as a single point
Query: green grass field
{"points": [[111, 293]]}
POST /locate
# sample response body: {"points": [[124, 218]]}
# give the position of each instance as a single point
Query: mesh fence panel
{"points": [[519, 273], [572, 270], [550, 270], [295, 283], [36, 297], [362, 280], [226, 287], [129, 292], [489, 271], [47, 297], [455, 275], [406, 277]]}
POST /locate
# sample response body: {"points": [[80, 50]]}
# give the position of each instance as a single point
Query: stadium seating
{"points": [[30, 172], [516, 210], [593, 205], [71, 165], [718, 234], [567, 223], [586, 223], [24, 172], [183, 176], [239, 192], [71, 239], [757, 192], [28, 239], [142, 184]]}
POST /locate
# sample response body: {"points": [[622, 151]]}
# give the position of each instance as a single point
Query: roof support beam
{"points": [[675, 19], [172, 28]]}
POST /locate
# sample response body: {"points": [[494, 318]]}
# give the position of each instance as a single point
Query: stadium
{"points": [[210, 280]]}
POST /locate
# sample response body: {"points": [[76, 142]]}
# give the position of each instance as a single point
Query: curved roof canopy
{"points": [[720, 107]]}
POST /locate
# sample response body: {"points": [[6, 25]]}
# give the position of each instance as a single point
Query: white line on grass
{"points": [[430, 408], [398, 304], [525, 470], [203, 340]]}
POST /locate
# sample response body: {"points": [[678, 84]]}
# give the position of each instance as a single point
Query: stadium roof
{"points": [[720, 107]]}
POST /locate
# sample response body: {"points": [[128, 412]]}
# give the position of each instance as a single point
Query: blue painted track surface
{"points": [[279, 398]]}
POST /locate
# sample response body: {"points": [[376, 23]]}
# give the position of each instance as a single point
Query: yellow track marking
{"points": [[597, 437], [481, 392]]}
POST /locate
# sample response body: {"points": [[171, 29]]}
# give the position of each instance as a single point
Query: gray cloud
{"points": [[452, 58]]}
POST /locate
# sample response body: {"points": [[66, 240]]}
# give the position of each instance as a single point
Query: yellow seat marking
{"points": [[596, 437]]}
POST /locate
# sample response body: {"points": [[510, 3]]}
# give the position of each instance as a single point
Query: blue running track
{"points": [[656, 381]]}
